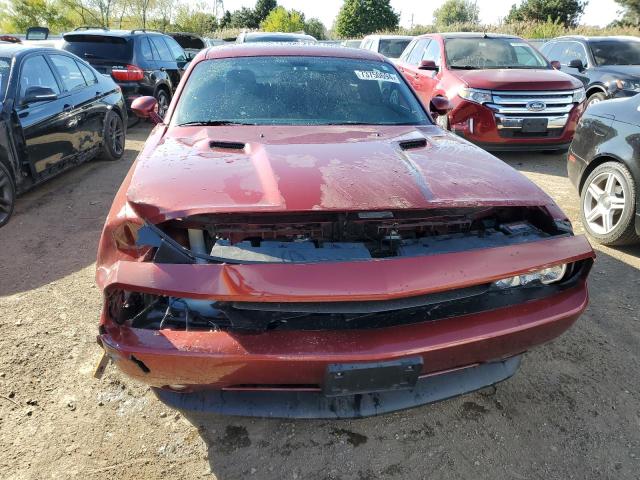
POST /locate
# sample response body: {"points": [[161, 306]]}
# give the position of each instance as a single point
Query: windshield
{"points": [[99, 47], [393, 47], [5, 69], [484, 53], [615, 52], [297, 91]]}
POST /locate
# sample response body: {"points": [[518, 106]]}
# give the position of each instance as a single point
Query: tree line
{"points": [[355, 19]]}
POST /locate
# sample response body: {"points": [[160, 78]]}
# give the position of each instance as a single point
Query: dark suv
{"points": [[609, 67], [142, 62]]}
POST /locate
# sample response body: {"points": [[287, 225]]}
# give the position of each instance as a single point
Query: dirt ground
{"points": [[572, 411]]}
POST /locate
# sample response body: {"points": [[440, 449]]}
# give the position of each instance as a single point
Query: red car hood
{"points": [[512, 79], [318, 168]]}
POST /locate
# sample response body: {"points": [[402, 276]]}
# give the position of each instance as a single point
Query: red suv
{"points": [[505, 95]]}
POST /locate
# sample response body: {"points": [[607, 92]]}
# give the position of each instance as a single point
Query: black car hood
{"points": [[623, 70]]}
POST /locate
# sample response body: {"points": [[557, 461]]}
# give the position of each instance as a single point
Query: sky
{"points": [[598, 12]]}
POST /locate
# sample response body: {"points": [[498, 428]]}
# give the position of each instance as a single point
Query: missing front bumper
{"points": [[305, 404]]}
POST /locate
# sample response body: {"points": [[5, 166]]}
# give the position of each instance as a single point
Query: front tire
{"points": [[608, 205], [596, 98], [163, 102], [113, 137], [443, 122], [7, 195]]}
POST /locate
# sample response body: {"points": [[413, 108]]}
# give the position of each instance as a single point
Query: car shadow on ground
{"points": [[56, 226]]}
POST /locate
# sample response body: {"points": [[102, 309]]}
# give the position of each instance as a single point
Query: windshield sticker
{"points": [[518, 44], [376, 75]]}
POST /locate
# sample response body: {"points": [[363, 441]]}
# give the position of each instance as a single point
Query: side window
{"points": [[69, 72], [417, 52], [432, 52], [87, 73], [547, 49], [366, 44], [36, 73], [162, 49], [575, 51], [176, 50], [408, 50], [145, 49]]}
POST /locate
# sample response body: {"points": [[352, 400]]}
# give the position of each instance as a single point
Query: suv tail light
{"points": [[128, 73]]}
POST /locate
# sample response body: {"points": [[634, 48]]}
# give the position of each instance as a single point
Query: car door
{"points": [[411, 71], [429, 79], [82, 93], [179, 56], [165, 60], [575, 51], [45, 139]]}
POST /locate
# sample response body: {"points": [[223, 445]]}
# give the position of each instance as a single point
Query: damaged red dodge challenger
{"points": [[298, 239]]}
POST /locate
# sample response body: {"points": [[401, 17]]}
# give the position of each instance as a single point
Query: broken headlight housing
{"points": [[546, 276]]}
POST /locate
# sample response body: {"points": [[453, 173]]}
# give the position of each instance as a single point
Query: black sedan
{"points": [[604, 164], [56, 111], [609, 67]]}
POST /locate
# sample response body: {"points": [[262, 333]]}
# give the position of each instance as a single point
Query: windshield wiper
{"points": [[465, 67], [213, 123]]}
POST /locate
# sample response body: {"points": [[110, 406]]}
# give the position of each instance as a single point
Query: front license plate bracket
{"points": [[534, 125], [353, 378]]}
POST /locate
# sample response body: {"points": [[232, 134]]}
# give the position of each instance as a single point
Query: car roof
{"points": [[385, 37], [277, 34], [16, 49], [624, 38], [471, 35], [111, 33], [269, 49]]}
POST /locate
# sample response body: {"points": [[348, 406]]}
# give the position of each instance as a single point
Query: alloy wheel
{"points": [[116, 134], [7, 196], [163, 104], [604, 202]]}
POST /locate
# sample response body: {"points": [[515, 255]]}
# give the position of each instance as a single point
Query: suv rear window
{"points": [[99, 47]]}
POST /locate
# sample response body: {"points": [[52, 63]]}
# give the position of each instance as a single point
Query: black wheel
{"points": [[608, 205], [113, 137], [7, 195], [163, 102], [596, 98]]}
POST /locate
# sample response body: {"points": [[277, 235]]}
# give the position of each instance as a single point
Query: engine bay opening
{"points": [[352, 236]]}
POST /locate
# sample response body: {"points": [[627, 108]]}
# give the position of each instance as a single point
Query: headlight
{"points": [[628, 85], [477, 96], [548, 275], [579, 95]]}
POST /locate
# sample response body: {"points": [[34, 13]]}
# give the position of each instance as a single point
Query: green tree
{"points": [[361, 17], [263, 8], [243, 18], [281, 20], [315, 28], [567, 12], [456, 11], [18, 15], [194, 20], [630, 13]]}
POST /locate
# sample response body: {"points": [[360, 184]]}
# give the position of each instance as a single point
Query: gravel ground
{"points": [[572, 411]]}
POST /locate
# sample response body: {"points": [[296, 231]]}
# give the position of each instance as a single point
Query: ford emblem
{"points": [[536, 106]]}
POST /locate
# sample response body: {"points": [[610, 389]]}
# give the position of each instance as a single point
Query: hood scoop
{"points": [[413, 143], [227, 145]]}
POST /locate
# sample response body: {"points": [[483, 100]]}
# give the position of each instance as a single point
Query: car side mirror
{"points": [[577, 63], [556, 64], [146, 107], [36, 93], [428, 65], [440, 105]]}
